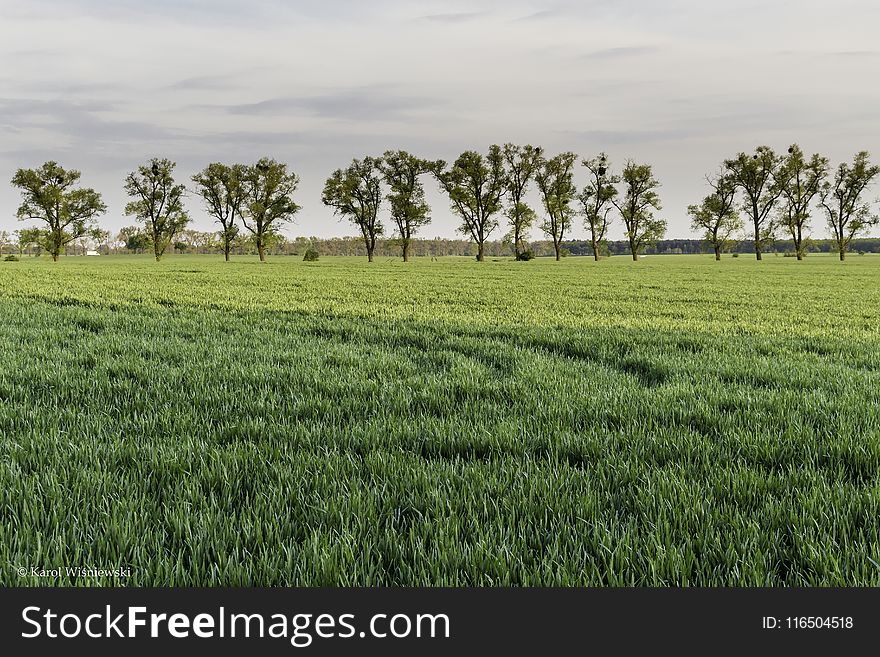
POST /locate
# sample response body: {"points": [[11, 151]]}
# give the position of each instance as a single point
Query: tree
{"points": [[717, 216], [27, 237], [355, 194], [555, 180], [268, 201], [409, 209], [846, 211], [759, 177], [158, 202], [221, 186], [50, 195], [638, 205], [597, 200], [475, 185], [801, 180], [521, 163]]}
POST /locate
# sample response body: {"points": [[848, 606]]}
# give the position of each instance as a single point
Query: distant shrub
{"points": [[734, 255], [528, 254], [310, 256], [11, 258], [564, 253], [789, 254]]}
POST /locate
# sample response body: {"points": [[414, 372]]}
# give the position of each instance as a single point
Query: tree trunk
{"points": [[227, 248], [634, 250], [842, 254], [370, 254], [480, 252], [757, 251], [717, 252], [595, 250], [406, 250], [54, 257], [261, 249]]}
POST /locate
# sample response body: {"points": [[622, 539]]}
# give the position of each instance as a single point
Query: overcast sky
{"points": [[102, 86]]}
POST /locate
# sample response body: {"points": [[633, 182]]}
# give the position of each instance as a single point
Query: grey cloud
{"points": [[367, 104]]}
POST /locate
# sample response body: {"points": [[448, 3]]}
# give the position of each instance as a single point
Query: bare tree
{"points": [[597, 200], [846, 211], [637, 206], [555, 179]]}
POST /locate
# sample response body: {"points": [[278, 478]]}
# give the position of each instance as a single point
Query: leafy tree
{"points": [[268, 201], [222, 188], [759, 178], [846, 211], [555, 180], [27, 237], [409, 209], [801, 181], [355, 194], [158, 202], [475, 185], [50, 195], [597, 200], [521, 164], [637, 207], [134, 238], [717, 216]]}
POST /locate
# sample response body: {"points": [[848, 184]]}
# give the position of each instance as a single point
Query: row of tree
{"points": [[779, 192], [772, 191], [483, 188], [258, 197]]}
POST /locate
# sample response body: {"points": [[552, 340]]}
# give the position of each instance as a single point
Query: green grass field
{"points": [[675, 421]]}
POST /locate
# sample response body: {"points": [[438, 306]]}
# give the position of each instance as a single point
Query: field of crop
{"points": [[670, 422]]}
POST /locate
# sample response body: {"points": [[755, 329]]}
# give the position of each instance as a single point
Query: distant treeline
{"points": [[208, 243]]}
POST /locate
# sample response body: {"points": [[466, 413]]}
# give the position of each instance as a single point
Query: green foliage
{"points": [[311, 256], [526, 255], [11, 258], [268, 200], [475, 185], [801, 181], [597, 200], [409, 208], [637, 206], [716, 217], [758, 176], [158, 202], [555, 180], [355, 194], [211, 424], [50, 195], [222, 187], [847, 212], [520, 165]]}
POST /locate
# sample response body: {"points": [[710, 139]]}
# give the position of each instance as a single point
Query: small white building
{"points": [[92, 252]]}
